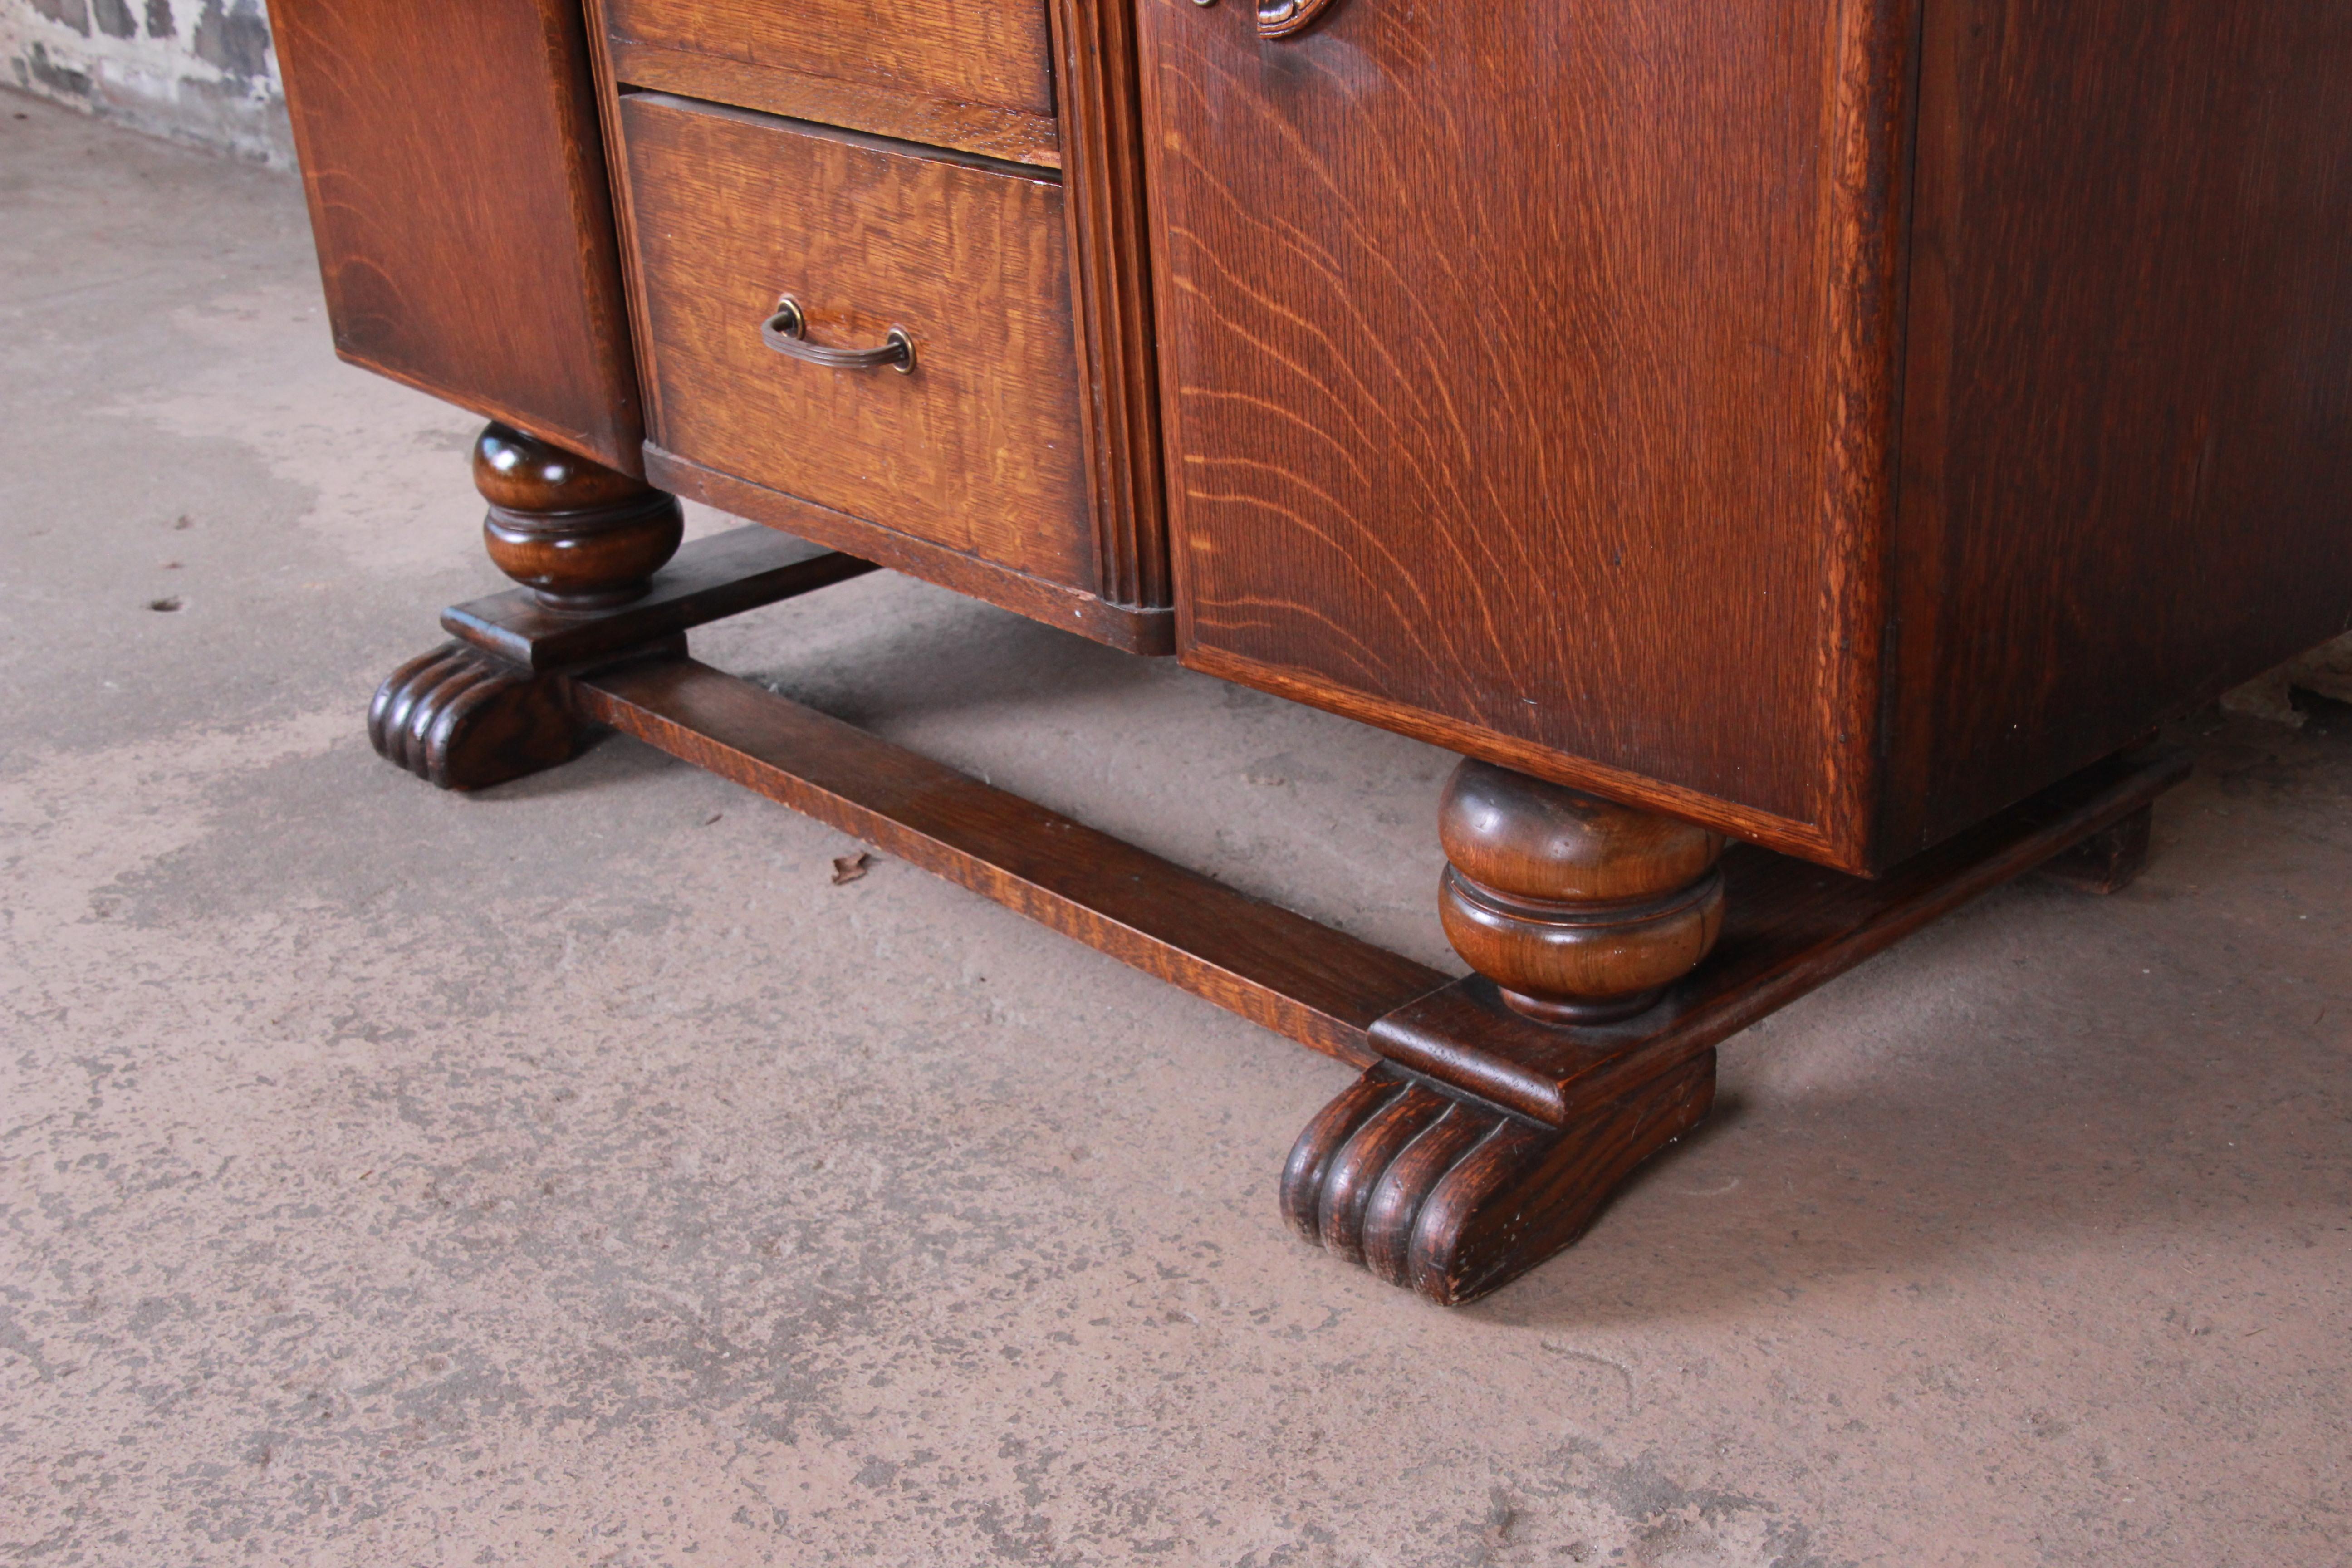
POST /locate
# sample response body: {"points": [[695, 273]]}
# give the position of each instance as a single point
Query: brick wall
{"points": [[199, 71]]}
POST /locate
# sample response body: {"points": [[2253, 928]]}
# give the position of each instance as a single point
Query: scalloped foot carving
{"points": [[1452, 1197], [460, 720]]}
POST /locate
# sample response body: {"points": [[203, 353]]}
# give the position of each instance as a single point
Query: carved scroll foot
{"points": [[2109, 861], [1452, 1197], [458, 718], [1581, 913], [581, 539]]}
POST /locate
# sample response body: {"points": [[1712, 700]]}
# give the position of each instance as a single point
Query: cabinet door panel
{"points": [[1500, 357], [459, 195]]}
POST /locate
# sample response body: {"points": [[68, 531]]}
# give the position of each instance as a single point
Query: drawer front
{"points": [[975, 75], [978, 449]]}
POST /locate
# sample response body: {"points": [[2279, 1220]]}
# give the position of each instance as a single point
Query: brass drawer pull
{"points": [[1289, 18], [785, 332]]}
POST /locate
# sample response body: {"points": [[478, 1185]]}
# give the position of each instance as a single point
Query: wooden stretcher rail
{"points": [[1794, 926], [1321, 987]]}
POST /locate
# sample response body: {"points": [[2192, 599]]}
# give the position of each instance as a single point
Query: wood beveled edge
{"points": [[1296, 976], [1462, 1035], [1150, 632], [1864, 228], [1805, 840], [625, 219]]}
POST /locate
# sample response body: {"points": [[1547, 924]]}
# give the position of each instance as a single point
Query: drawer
{"points": [[978, 449], [975, 75]]}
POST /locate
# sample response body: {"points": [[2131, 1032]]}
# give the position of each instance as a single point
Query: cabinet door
{"points": [[458, 195], [1505, 366]]}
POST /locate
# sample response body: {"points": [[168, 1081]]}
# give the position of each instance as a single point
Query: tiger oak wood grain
{"points": [[1838, 425], [460, 200], [974, 75], [1571, 386], [979, 451], [1503, 352]]}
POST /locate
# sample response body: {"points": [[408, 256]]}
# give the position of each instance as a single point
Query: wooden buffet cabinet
{"points": [[1797, 451]]}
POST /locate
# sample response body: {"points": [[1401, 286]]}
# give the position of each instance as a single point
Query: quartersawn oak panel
{"points": [[975, 75], [1510, 367], [979, 451], [460, 200], [2127, 454]]}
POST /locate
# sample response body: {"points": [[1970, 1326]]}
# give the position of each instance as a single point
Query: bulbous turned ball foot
{"points": [[1580, 910], [580, 535]]}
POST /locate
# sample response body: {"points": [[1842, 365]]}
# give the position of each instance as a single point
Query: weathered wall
{"points": [[194, 70]]}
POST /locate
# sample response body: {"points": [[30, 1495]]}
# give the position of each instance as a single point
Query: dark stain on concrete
{"points": [[236, 39], [114, 18], [160, 24], [63, 81], [73, 13]]}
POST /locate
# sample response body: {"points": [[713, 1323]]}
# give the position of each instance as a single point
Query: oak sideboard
{"points": [[1796, 452]]}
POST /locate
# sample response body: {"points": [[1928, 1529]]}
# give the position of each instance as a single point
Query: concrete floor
{"points": [[573, 1174]]}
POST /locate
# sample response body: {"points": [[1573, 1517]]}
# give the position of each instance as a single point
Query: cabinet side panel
{"points": [[1499, 357], [2128, 458], [458, 190]]}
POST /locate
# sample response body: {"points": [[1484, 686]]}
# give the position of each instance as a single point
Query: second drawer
{"points": [[978, 450]]}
